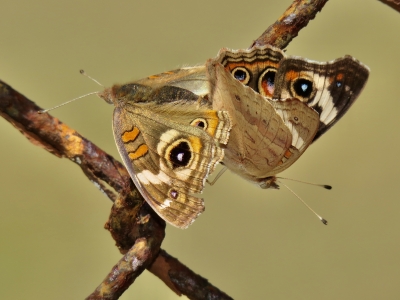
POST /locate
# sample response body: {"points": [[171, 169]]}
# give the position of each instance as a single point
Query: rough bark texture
{"points": [[286, 28], [130, 266]]}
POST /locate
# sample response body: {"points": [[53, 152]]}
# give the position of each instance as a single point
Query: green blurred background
{"points": [[251, 243]]}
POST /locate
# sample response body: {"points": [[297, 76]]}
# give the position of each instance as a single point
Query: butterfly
{"points": [[282, 105], [169, 140]]}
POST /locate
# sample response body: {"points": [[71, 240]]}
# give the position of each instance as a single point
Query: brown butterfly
{"points": [[169, 139], [281, 107]]}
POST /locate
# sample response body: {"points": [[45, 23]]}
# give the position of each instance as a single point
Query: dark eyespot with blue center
{"points": [[338, 84], [241, 74], [266, 83], [303, 87], [180, 155]]}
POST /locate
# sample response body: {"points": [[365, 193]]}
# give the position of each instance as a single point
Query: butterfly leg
{"points": [[217, 177]]}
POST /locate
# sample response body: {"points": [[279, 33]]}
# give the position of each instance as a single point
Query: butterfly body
{"points": [[193, 79]]}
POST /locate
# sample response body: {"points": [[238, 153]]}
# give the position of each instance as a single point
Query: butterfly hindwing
{"points": [[267, 136], [255, 67], [259, 137]]}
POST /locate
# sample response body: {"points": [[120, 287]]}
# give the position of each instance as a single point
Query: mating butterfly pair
{"points": [[255, 110]]}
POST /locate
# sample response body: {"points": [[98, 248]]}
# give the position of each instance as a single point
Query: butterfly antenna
{"points": [[218, 176], [325, 186], [83, 96], [62, 104], [325, 222], [90, 77]]}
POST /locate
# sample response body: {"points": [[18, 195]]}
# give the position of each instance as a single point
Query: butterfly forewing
{"points": [[303, 123]]}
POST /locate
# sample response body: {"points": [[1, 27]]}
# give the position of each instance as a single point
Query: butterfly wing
{"points": [[267, 136], [255, 67], [329, 88], [259, 137], [303, 123], [169, 154]]}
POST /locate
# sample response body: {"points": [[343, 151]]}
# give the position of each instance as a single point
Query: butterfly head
{"points": [[107, 95]]}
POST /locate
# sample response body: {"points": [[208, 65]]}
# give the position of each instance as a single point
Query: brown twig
{"points": [[286, 28], [137, 230], [182, 280], [126, 223], [395, 4], [130, 266], [48, 132]]}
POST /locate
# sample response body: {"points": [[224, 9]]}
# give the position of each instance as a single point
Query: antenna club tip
{"points": [[325, 222], [328, 187], [82, 71]]}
